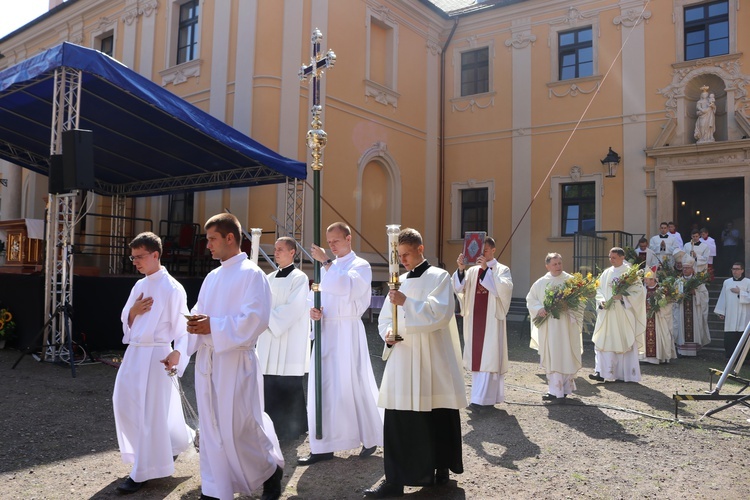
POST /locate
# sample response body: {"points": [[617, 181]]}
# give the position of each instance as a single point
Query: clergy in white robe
{"points": [[733, 307], [658, 346], [239, 450], [559, 341], [284, 348], [691, 314], [677, 237], [150, 424], [645, 256], [350, 414], [485, 292], [663, 245], [619, 329], [698, 251], [707, 240], [422, 388]]}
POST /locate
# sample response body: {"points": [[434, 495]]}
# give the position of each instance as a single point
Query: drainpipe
{"points": [[441, 165]]}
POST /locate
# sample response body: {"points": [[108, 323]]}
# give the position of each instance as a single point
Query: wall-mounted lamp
{"points": [[611, 161]]}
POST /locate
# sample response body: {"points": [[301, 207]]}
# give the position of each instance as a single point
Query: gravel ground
{"points": [[609, 441]]}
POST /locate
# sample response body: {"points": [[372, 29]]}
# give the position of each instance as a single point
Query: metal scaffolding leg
{"points": [[117, 234]]}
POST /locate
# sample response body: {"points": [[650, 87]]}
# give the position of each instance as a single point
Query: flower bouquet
{"points": [[7, 325], [572, 295], [689, 285], [622, 283], [666, 293]]}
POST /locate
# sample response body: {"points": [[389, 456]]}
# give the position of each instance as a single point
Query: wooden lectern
{"points": [[24, 245]]}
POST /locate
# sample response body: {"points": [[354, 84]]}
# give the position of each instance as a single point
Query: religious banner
{"points": [[473, 246]]}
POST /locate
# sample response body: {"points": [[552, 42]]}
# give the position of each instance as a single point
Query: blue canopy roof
{"points": [[147, 140]]}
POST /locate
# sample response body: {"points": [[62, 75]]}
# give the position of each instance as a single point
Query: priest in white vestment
{"points": [[707, 240], [645, 256], [733, 307], [150, 424], [559, 341], [619, 330], [350, 414], [485, 292], [658, 344], [284, 348], [691, 314], [663, 245], [698, 251], [239, 450], [422, 388]]}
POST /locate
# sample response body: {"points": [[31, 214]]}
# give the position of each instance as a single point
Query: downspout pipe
{"points": [[441, 160]]}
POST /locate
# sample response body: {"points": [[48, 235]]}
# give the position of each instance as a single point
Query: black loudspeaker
{"points": [[56, 175], [78, 159]]}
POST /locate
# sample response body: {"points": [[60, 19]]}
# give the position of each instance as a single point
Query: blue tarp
{"points": [[146, 139]]}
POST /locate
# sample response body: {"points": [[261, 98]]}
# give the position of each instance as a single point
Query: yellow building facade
{"points": [[450, 115]]}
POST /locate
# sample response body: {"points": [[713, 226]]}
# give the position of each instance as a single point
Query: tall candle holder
{"points": [[393, 271]]}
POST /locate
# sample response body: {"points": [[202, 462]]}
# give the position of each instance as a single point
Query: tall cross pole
{"points": [[316, 141]]}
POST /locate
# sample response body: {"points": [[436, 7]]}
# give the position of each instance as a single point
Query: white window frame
{"points": [[456, 189], [678, 16], [457, 55], [556, 182], [554, 44], [179, 73], [387, 92], [103, 30]]}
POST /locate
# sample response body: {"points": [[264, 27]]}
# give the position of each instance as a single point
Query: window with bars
{"points": [[474, 210], [578, 208], [706, 30], [187, 38], [576, 53], [475, 71]]}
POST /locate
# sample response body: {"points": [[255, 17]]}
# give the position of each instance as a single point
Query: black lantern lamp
{"points": [[611, 161]]}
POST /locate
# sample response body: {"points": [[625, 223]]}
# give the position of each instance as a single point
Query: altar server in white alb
{"points": [[559, 341], [733, 307], [284, 348], [663, 245], [619, 330], [239, 448], [698, 250], [485, 292], [422, 388], [350, 415], [150, 425]]}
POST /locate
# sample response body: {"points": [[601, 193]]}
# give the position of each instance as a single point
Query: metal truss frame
{"points": [[61, 213], [294, 218], [117, 234]]}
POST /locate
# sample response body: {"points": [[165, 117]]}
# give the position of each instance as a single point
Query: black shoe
{"points": [[206, 497], [475, 408], [366, 452], [442, 476], [272, 485], [314, 457], [596, 376], [130, 486], [385, 490], [549, 397]]}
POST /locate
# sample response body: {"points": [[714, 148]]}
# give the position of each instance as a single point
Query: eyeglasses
{"points": [[737, 269], [133, 258]]}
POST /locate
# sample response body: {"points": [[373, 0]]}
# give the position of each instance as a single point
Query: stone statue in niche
{"points": [[705, 124]]}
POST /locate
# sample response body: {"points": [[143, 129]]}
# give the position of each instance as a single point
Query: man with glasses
{"points": [[733, 307], [151, 429]]}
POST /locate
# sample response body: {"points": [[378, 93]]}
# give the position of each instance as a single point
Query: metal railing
{"points": [[591, 249]]}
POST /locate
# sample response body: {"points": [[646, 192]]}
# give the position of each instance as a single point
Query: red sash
{"points": [[650, 326], [479, 324]]}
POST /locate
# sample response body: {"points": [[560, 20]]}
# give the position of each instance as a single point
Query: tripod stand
{"points": [[63, 313]]}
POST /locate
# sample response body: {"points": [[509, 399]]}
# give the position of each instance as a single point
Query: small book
{"points": [[473, 246]]}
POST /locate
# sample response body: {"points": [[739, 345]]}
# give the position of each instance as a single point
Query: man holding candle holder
{"points": [[422, 388]]}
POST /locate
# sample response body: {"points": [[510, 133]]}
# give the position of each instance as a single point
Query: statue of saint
{"points": [[705, 124]]}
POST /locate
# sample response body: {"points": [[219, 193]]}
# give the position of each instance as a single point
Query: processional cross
{"points": [[316, 141]]}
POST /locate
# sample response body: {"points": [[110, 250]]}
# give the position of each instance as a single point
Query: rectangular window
{"points": [[578, 208], [474, 210], [180, 207], [107, 45], [706, 30], [576, 53], [475, 71], [187, 38]]}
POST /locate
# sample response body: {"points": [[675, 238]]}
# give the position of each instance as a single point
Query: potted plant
{"points": [[7, 326]]}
